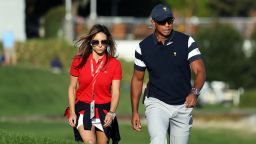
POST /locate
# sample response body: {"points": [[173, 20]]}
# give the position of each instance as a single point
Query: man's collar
{"points": [[168, 41]]}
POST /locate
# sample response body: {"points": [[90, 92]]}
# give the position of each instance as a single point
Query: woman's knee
{"points": [[89, 141], [89, 138]]}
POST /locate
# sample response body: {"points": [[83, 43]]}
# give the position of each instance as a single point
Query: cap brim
{"points": [[162, 18]]}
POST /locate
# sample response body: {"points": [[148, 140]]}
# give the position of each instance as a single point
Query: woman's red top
{"points": [[102, 88]]}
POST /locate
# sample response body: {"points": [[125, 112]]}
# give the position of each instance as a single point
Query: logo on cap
{"points": [[161, 12]]}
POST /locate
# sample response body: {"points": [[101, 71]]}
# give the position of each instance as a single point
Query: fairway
{"points": [[58, 132], [40, 95], [36, 91]]}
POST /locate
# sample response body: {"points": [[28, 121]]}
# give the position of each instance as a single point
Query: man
{"points": [[9, 48], [169, 56]]}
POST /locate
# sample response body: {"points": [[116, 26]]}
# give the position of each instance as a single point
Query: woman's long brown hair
{"points": [[85, 49]]}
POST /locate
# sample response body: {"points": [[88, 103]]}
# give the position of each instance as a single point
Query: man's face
{"points": [[165, 27]]}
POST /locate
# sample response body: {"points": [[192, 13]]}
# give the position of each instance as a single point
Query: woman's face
{"points": [[99, 43]]}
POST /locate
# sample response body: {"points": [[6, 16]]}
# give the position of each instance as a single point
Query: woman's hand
{"points": [[72, 120], [108, 119]]}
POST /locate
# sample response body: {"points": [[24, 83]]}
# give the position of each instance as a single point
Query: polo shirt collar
{"points": [[169, 39], [102, 59]]}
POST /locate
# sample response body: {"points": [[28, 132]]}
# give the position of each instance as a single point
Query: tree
{"points": [[232, 7], [221, 46], [250, 70], [188, 8], [34, 10]]}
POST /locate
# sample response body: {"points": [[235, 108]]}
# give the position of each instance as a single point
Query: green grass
{"points": [[10, 138], [32, 91], [248, 99], [26, 90], [57, 131], [60, 132], [221, 136]]}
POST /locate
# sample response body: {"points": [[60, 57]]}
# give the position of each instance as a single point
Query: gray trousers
{"points": [[161, 116]]}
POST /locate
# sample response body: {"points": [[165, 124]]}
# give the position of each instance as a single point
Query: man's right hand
{"points": [[136, 125]]}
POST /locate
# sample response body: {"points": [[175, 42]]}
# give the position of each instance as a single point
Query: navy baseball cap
{"points": [[161, 12]]}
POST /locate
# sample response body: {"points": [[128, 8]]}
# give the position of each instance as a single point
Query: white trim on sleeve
{"points": [[193, 53]]}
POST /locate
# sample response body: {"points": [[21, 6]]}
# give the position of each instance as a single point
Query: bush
{"points": [[1, 47], [54, 21], [40, 52]]}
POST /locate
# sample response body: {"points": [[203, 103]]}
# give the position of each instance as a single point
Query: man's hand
{"points": [[136, 125], [191, 100]]}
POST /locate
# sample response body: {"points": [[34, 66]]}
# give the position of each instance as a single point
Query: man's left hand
{"points": [[191, 100]]}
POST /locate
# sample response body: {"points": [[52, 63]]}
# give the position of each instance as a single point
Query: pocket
{"points": [[184, 115], [145, 94], [184, 111], [145, 101], [187, 109]]}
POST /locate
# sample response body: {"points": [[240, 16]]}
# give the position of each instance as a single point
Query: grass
{"points": [[56, 132], [27, 91], [221, 136], [11, 138], [60, 132], [248, 99], [32, 91]]}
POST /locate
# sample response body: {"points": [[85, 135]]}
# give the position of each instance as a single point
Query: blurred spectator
{"points": [[56, 65], [1, 58], [8, 47]]}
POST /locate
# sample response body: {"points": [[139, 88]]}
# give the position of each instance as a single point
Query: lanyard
{"points": [[97, 70], [94, 75]]}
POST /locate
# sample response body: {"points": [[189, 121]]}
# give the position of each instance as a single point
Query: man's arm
{"points": [[136, 89], [198, 69]]}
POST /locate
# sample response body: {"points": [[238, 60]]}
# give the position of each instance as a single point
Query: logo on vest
{"points": [[169, 43]]}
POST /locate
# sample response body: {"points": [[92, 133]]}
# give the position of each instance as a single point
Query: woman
{"points": [[93, 92]]}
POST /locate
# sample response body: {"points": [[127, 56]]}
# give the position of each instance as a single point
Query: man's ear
{"points": [[153, 23]]}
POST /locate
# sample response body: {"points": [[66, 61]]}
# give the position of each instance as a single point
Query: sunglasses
{"points": [[169, 21], [97, 42]]}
